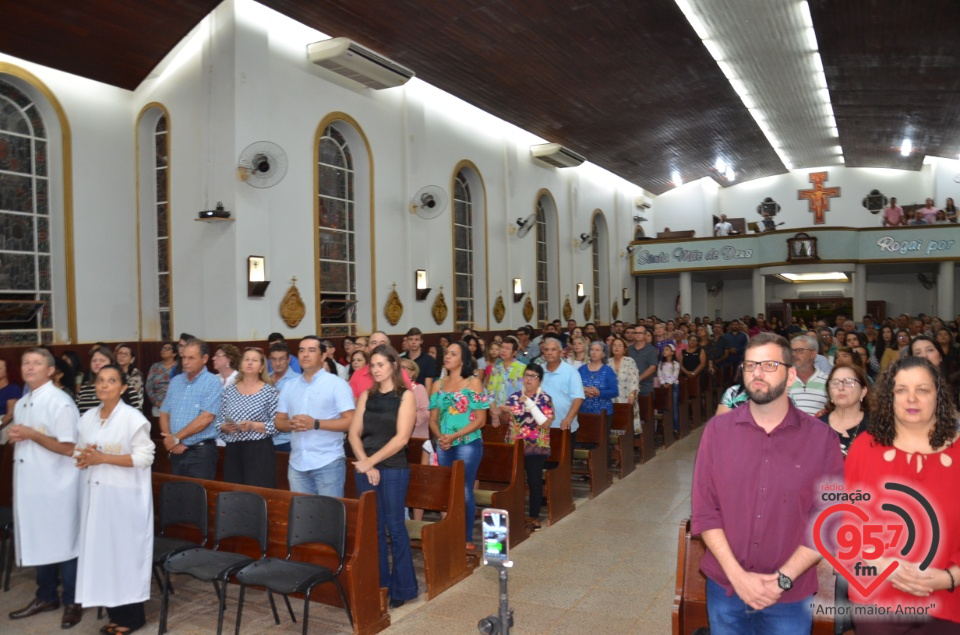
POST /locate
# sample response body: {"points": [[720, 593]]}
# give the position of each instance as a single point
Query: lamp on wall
{"points": [[581, 294], [625, 297], [422, 290], [256, 276], [517, 290]]}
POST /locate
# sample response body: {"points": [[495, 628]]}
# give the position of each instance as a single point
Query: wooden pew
{"points": [[621, 438], [439, 488], [502, 484], [645, 442], [689, 404], [709, 396], [558, 488], [361, 574], [663, 403], [595, 432], [492, 434], [695, 394], [690, 593]]}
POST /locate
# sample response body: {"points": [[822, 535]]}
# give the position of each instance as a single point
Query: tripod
{"points": [[499, 624]]}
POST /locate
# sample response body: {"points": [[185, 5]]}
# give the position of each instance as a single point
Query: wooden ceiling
{"points": [[629, 85], [893, 70]]}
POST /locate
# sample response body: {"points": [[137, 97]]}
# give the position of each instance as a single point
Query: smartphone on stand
{"points": [[496, 525]]}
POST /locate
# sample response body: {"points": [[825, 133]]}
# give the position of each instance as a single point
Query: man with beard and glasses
{"points": [[756, 493]]}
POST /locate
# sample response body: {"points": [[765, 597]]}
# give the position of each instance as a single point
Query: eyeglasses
{"points": [[531, 376], [767, 366], [801, 350], [849, 382]]}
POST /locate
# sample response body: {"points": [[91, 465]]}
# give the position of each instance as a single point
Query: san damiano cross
{"points": [[818, 198]]}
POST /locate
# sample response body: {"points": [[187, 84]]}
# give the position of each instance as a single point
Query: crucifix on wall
{"points": [[818, 197]]}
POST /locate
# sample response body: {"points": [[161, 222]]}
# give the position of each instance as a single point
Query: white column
{"points": [[650, 298], [945, 308], [759, 292], [686, 292], [859, 292]]}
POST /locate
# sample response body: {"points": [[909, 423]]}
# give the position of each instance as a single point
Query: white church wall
{"points": [[693, 205]]}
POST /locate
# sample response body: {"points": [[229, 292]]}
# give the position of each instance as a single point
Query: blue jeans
{"points": [[732, 616], [391, 517], [324, 481], [48, 580], [470, 454]]}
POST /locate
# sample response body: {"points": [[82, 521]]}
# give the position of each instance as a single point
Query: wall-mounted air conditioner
{"points": [[556, 155], [347, 58]]}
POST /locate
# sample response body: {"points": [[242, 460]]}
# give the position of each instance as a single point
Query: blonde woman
{"points": [[578, 352], [248, 408]]}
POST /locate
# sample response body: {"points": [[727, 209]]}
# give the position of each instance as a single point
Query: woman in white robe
{"points": [[114, 452]]}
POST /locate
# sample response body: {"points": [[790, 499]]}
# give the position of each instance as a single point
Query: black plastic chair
{"points": [[241, 514], [6, 545], [181, 502], [313, 519]]}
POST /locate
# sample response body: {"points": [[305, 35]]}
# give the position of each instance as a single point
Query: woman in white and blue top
{"points": [[246, 423]]}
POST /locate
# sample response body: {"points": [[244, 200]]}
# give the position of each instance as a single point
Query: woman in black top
{"points": [[382, 425], [694, 359]]}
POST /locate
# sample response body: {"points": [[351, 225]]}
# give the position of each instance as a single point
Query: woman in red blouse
{"points": [[911, 440]]}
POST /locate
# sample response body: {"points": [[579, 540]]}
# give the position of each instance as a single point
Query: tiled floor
{"points": [[608, 568]]}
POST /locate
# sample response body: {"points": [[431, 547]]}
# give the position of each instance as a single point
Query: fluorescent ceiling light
{"points": [[677, 181], [906, 147], [831, 276], [758, 79]]}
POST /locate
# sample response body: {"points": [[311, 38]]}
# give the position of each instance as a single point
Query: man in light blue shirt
{"points": [[562, 382], [191, 405], [281, 376], [318, 408]]}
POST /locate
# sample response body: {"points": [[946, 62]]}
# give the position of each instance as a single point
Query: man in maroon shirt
{"points": [[756, 493]]}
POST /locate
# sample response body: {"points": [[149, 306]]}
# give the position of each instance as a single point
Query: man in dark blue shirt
{"points": [[733, 343]]}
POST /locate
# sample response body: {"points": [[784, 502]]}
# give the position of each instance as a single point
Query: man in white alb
{"points": [[46, 487]]}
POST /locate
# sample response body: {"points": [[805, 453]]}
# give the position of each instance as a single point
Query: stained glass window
{"points": [[463, 252], [161, 167], [338, 267], [25, 263], [543, 291], [595, 246]]}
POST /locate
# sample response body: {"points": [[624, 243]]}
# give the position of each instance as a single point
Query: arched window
{"points": [[165, 292], [26, 271], [336, 235], [547, 252], [601, 267], [463, 252], [595, 245], [543, 279]]}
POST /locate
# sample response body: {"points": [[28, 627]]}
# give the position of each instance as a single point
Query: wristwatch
{"points": [[784, 582], [316, 424], [176, 440]]}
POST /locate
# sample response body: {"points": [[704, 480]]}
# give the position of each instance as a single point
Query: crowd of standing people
{"points": [[80, 434]]}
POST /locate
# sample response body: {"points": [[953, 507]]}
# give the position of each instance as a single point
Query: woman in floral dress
{"points": [[531, 413], [458, 409]]}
